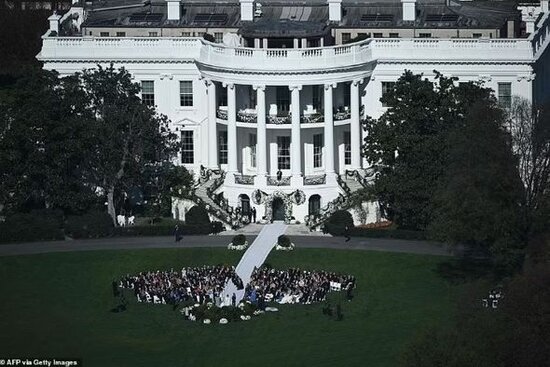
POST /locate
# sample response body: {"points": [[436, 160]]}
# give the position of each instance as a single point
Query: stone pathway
{"points": [[255, 256], [292, 230]]}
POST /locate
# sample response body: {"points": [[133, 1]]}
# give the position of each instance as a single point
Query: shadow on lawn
{"points": [[463, 270]]}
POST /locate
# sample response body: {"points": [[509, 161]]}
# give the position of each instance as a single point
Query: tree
{"points": [[43, 144], [477, 199], [530, 131], [406, 145], [128, 136]]}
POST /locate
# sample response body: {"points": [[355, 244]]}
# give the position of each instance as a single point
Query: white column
{"points": [[261, 137], [231, 129], [329, 131], [304, 42], [296, 43], [295, 141], [257, 43], [212, 138], [264, 42], [355, 127]]}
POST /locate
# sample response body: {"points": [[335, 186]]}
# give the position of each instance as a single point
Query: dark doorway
{"points": [[245, 204], [314, 204], [278, 209]]}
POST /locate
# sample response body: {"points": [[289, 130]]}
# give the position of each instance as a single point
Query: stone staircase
{"points": [[350, 182], [216, 205]]}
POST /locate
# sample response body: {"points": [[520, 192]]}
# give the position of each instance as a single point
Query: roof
{"points": [[299, 18]]}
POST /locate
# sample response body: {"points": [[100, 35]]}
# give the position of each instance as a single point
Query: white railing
{"points": [[541, 38], [120, 48], [334, 57], [281, 59]]}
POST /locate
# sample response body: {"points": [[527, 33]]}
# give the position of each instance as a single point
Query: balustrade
{"points": [[274, 181]]}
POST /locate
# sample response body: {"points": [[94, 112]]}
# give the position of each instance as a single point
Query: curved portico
{"points": [[317, 112]]}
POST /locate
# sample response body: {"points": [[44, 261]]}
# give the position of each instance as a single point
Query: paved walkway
{"points": [[133, 243], [255, 256]]}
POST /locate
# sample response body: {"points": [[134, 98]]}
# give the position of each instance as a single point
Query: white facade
{"points": [[257, 100]]}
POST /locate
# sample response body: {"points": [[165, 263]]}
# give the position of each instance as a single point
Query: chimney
{"points": [[544, 6], [173, 9], [247, 10], [54, 22], [409, 10], [335, 10]]}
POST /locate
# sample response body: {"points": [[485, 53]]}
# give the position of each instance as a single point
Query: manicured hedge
{"points": [[42, 225], [89, 225], [336, 224], [239, 240], [283, 241], [197, 215], [387, 233]]}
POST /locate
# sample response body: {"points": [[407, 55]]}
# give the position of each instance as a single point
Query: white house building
{"points": [[270, 113]]}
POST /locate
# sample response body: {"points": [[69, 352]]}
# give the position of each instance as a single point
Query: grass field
{"points": [[59, 305]]}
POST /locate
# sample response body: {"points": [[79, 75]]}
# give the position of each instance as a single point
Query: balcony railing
{"points": [[273, 181]]}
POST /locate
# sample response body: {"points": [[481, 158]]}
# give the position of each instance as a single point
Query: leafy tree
{"points": [[43, 143], [406, 145], [127, 135], [477, 199]]}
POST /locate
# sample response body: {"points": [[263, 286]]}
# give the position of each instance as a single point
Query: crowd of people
{"points": [[296, 285], [198, 284]]}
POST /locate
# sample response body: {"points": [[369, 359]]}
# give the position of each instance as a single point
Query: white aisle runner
{"points": [[255, 256]]}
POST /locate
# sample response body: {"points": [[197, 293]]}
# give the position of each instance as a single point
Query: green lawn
{"points": [[59, 305]]}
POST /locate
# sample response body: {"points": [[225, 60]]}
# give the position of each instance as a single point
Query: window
{"points": [[505, 94], [377, 35], [251, 97], [222, 146], [148, 92], [317, 97], [153, 34], [347, 94], [476, 35], [121, 34], [187, 151], [186, 93], [347, 147], [201, 34], [104, 34], [346, 37], [363, 35], [424, 35], [394, 35], [317, 150], [283, 100], [222, 96], [186, 34], [283, 152], [218, 37], [386, 87], [252, 143]]}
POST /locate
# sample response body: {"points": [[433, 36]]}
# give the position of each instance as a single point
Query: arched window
{"points": [[314, 204]]}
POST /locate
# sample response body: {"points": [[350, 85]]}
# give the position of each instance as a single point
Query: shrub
{"points": [[239, 240], [337, 223], [217, 227], [197, 215], [283, 241], [89, 225], [39, 225]]}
